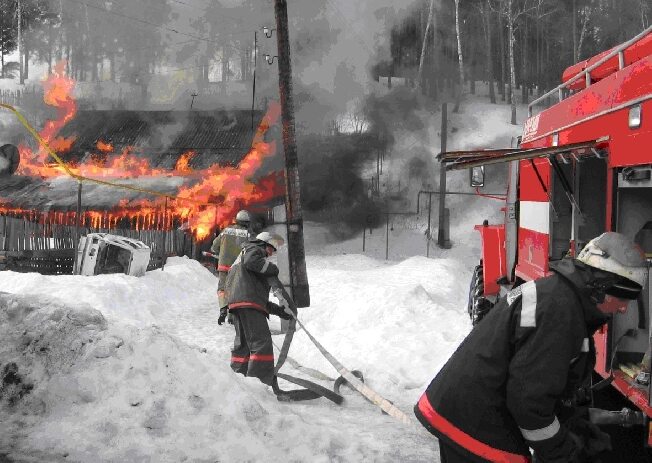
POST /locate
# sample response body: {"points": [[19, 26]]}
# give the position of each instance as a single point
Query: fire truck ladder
{"points": [[586, 73], [457, 160]]}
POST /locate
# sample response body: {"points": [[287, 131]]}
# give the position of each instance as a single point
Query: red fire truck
{"points": [[583, 166]]}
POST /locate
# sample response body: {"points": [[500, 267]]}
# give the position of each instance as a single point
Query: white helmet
{"points": [[242, 217], [615, 253], [274, 240]]}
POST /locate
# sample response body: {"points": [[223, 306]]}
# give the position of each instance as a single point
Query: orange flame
{"points": [[212, 202], [104, 147], [183, 164], [57, 93]]}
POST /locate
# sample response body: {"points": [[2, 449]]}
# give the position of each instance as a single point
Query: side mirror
{"points": [[477, 176]]}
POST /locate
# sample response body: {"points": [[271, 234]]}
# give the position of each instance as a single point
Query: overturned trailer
{"points": [[103, 253]]}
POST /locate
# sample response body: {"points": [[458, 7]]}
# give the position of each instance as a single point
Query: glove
{"points": [[597, 442], [278, 311], [222, 318], [282, 301], [589, 439]]}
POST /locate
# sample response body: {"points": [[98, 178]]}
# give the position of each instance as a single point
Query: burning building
{"points": [[168, 178]]}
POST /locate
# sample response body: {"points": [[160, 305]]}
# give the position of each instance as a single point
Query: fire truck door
{"points": [[633, 213], [590, 182]]}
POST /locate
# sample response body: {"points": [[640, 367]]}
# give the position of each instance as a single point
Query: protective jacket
{"points": [[227, 245], [246, 282], [504, 388]]}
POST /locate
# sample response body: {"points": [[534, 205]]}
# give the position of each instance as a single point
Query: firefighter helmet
{"points": [[242, 217], [615, 253], [272, 239]]}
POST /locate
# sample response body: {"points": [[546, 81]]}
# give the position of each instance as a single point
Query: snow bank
{"points": [[78, 387], [397, 323], [140, 301], [110, 368]]}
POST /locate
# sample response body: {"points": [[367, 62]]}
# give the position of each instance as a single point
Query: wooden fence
{"points": [[22, 97], [40, 244]]}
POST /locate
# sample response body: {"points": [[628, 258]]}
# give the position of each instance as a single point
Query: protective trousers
{"points": [[252, 353], [221, 286]]}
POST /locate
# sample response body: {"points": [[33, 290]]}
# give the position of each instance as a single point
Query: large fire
{"points": [[212, 200], [57, 93]]}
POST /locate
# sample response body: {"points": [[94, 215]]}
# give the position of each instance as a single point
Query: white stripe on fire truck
{"points": [[529, 305], [535, 435], [535, 216], [585, 345]]}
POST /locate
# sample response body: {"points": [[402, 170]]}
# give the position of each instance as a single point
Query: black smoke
{"points": [[333, 191]]}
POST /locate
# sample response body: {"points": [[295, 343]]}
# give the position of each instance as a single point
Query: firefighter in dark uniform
{"points": [[512, 384], [227, 245], [247, 292]]}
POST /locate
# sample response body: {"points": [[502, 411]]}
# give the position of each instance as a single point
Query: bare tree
{"points": [[485, 12], [645, 10], [359, 122], [460, 58], [512, 70], [19, 21], [501, 35], [586, 14], [425, 44]]}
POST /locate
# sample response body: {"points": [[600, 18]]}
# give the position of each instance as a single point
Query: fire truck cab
{"points": [[583, 167]]}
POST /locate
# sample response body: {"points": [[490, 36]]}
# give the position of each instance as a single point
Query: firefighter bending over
{"points": [[511, 384], [247, 292], [227, 245]]}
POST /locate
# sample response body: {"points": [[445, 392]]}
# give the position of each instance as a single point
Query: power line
{"points": [[352, 29], [122, 50], [194, 7], [160, 26]]}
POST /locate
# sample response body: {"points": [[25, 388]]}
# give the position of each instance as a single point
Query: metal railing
{"points": [[586, 73]]}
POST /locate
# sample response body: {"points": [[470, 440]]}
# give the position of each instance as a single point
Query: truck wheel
{"points": [[478, 305]]}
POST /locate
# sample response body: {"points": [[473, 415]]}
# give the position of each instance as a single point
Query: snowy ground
{"points": [[117, 368]]}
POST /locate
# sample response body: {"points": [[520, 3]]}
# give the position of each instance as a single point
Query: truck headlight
{"points": [[635, 116]]}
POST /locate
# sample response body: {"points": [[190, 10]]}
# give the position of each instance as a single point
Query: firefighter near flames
{"points": [[582, 169], [227, 246]]}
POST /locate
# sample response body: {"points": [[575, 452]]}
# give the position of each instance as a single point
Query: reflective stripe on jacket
{"points": [[246, 282], [501, 391]]}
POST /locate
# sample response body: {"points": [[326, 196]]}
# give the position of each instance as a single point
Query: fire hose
{"points": [[355, 380], [312, 390]]}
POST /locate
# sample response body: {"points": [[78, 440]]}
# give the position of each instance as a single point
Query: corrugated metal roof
{"points": [[164, 129], [61, 193], [217, 137], [156, 135]]}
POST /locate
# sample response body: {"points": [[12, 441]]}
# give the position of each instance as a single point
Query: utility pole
{"points": [[443, 233], [19, 17], [293, 212], [253, 93]]}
